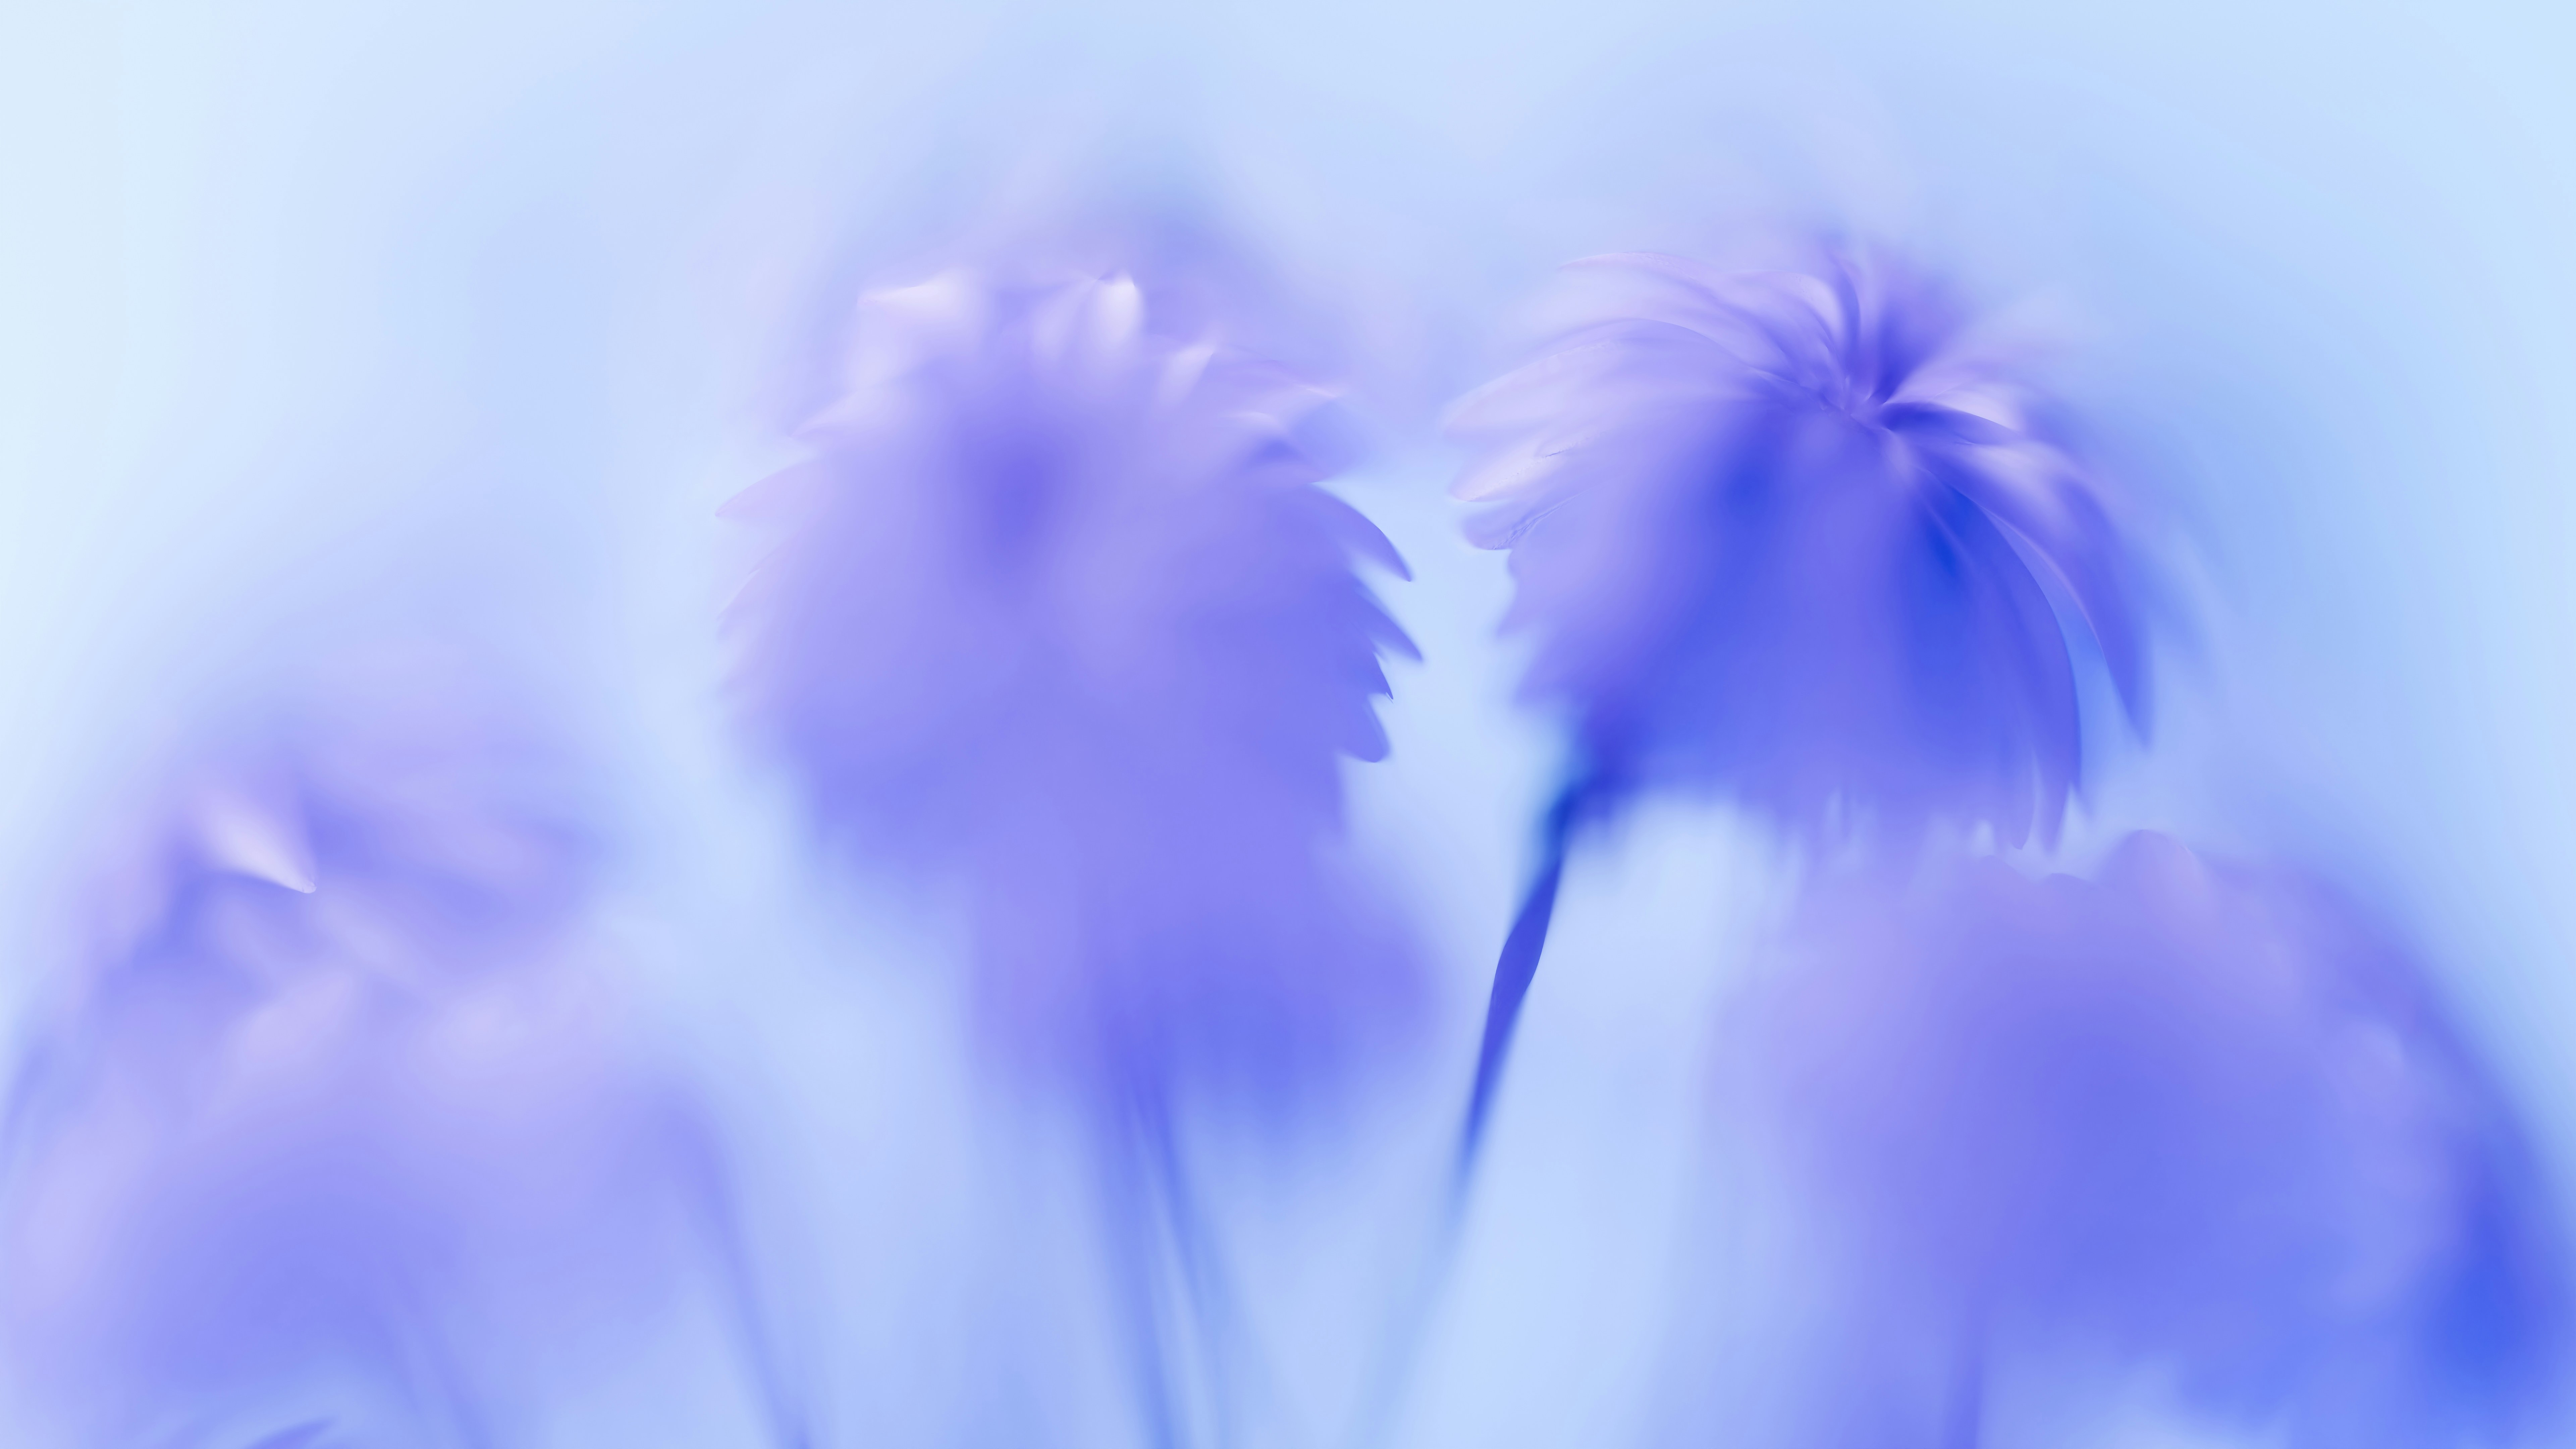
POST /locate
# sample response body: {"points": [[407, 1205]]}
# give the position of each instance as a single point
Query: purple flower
{"points": [[1794, 537], [1062, 615], [338, 1131], [2189, 1117], [1062, 619]]}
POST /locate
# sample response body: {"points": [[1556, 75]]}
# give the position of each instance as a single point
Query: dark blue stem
{"points": [[1519, 966], [1512, 977]]}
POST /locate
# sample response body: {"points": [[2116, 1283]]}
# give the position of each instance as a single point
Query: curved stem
{"points": [[1128, 1205], [1513, 973], [1185, 1352], [1518, 967]]}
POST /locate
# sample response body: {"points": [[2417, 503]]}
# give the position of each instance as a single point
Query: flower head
{"points": [[1795, 536], [1061, 612], [2191, 1117], [336, 1122]]}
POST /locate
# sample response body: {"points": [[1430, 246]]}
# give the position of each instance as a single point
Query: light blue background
{"points": [[323, 317]]}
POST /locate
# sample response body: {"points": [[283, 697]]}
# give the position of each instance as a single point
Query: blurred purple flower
{"points": [[1062, 617], [1792, 537], [1062, 614], [2190, 1117], [338, 1129]]}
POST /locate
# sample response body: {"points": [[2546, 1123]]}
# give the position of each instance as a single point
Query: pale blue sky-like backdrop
{"points": [[322, 320]]}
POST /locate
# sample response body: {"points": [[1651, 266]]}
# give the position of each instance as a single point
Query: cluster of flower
{"points": [[1061, 619], [1801, 539]]}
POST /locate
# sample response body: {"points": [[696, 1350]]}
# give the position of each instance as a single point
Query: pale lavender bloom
{"points": [[1794, 537], [339, 1129], [2189, 1119], [1061, 614], [1063, 619]]}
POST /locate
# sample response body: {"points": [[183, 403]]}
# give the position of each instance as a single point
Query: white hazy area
{"points": [[324, 322]]}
